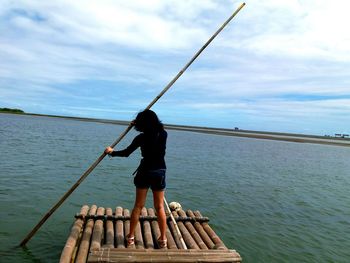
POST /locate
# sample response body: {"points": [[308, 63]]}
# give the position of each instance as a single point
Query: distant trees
{"points": [[338, 135], [8, 110]]}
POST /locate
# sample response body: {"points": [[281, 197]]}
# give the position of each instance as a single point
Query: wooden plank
{"points": [[85, 241], [163, 259], [71, 243], [178, 255]]}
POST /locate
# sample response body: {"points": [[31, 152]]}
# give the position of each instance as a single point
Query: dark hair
{"points": [[147, 121]]}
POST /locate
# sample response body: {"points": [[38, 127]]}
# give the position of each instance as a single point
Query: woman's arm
{"points": [[127, 151]]}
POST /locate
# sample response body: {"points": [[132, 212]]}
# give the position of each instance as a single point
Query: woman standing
{"points": [[151, 171]]}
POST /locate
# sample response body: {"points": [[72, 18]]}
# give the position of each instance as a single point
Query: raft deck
{"points": [[98, 235]]}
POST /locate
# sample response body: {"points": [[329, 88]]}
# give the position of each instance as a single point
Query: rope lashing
{"points": [[142, 218]]}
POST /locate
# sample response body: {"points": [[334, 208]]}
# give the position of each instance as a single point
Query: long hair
{"points": [[147, 121]]}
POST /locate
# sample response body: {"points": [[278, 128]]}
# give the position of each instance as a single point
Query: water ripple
{"points": [[272, 201]]}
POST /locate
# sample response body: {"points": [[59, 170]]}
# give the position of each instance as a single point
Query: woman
{"points": [[151, 171]]}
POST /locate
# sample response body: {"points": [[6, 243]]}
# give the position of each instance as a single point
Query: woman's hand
{"points": [[109, 150]]}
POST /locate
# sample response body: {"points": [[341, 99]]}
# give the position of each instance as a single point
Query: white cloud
{"points": [[94, 22], [304, 29], [272, 48]]}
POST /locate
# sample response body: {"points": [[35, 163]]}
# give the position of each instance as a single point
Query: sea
{"points": [[272, 201]]}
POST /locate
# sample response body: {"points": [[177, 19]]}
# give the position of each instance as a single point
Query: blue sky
{"points": [[280, 65]]}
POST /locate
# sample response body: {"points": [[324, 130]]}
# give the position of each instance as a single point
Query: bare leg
{"points": [[158, 202], [140, 200]]}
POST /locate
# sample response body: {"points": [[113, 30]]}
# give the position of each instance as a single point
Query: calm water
{"points": [[272, 201]]}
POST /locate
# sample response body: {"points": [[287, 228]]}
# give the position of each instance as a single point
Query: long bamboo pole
{"points": [[99, 159], [175, 225]]}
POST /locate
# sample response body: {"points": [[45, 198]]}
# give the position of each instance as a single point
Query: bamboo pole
{"points": [[193, 232], [68, 249], [154, 225], [119, 231], [171, 241], [103, 155], [98, 232], [207, 240], [85, 242], [127, 226], [190, 242], [109, 230], [156, 231], [171, 231], [142, 218], [214, 237], [147, 231], [138, 236], [177, 230]]}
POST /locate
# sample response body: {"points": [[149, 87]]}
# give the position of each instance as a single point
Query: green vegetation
{"points": [[7, 110]]}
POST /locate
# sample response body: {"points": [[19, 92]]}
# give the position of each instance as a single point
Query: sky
{"points": [[280, 65]]}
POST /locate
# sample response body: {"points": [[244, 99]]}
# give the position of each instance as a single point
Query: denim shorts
{"points": [[154, 179]]}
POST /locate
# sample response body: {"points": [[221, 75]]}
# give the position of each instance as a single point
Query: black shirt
{"points": [[152, 150]]}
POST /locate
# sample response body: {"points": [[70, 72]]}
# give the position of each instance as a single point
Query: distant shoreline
{"points": [[290, 137]]}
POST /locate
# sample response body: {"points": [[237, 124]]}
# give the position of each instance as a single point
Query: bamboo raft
{"points": [[98, 235]]}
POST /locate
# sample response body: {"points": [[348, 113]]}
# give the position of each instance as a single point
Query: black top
{"points": [[152, 150]]}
